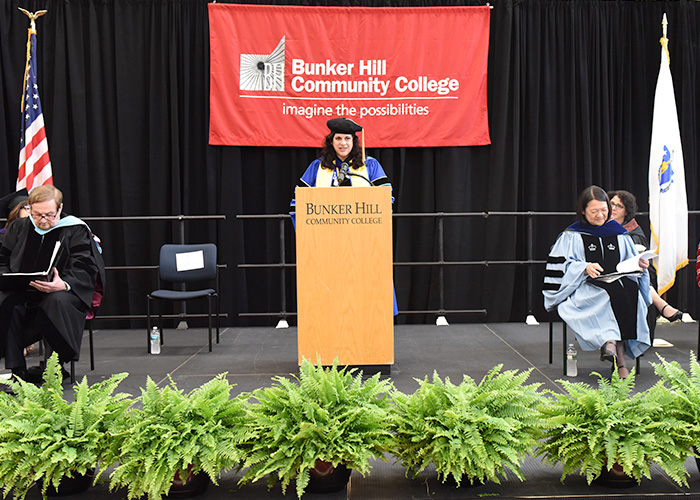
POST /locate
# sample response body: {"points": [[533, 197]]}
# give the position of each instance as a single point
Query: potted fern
{"points": [[45, 438], [686, 387], [611, 436], [175, 439], [468, 431], [324, 419]]}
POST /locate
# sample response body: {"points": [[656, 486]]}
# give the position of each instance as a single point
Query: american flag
{"points": [[34, 163]]}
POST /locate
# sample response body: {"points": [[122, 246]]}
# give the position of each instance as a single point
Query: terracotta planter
{"points": [[615, 478], [72, 485], [192, 486], [324, 478]]}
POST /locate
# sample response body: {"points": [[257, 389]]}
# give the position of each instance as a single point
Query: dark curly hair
{"points": [[328, 155], [587, 195], [628, 200]]}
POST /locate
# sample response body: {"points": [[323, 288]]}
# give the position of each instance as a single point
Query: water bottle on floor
{"points": [[155, 340], [571, 369]]}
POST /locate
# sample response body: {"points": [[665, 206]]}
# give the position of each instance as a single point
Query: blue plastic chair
{"points": [[182, 265]]}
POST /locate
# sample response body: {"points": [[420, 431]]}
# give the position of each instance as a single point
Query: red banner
{"points": [[412, 77]]}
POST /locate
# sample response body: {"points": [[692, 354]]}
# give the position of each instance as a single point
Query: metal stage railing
{"points": [[283, 265], [183, 315], [179, 232], [441, 263]]}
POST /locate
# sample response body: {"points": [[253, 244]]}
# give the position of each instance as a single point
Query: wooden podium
{"points": [[344, 275]]}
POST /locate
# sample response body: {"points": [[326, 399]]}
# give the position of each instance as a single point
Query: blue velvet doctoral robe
{"points": [[314, 175]]}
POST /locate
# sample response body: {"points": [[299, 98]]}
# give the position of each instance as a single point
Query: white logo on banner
{"points": [[263, 71]]}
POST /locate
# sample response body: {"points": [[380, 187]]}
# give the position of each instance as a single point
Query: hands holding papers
{"points": [[634, 266], [55, 285], [637, 263]]}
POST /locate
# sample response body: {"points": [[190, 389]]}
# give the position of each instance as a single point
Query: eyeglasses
{"points": [[616, 205], [38, 217]]}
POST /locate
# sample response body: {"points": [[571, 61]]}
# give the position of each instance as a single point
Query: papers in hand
{"points": [[628, 267], [20, 281]]}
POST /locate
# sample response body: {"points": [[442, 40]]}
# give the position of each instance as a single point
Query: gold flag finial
{"points": [[31, 31], [33, 16], [664, 40], [664, 23]]}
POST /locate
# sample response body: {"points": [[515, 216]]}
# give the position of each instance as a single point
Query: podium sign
{"points": [[344, 275]]}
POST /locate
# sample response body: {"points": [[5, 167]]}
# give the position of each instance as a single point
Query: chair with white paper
{"points": [[182, 265]]}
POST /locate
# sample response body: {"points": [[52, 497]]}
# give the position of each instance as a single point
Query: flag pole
{"points": [[31, 31], [34, 163], [668, 205]]}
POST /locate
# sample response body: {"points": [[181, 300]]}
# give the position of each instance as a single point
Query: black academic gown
{"points": [[58, 317]]}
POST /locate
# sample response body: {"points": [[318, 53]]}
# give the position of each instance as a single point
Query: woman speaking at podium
{"points": [[343, 163]]}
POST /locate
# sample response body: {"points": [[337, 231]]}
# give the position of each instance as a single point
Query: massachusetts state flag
{"points": [[34, 163], [668, 204]]}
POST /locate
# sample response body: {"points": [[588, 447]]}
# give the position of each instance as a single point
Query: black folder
{"points": [[17, 282]]}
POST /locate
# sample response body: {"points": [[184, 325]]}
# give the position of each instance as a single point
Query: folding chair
{"points": [[185, 264]]}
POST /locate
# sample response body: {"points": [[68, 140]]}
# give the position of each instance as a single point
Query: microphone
{"points": [[343, 173]]}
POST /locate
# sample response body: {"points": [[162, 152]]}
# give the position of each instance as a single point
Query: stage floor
{"points": [[252, 356]]}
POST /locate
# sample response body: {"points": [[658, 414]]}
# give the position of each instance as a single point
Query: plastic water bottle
{"points": [[155, 340], [571, 369]]}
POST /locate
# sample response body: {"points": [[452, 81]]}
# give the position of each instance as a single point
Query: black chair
{"points": [[182, 265], [88, 325], [44, 350], [563, 341], [565, 345]]}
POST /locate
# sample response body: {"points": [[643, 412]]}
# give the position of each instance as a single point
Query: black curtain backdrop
{"points": [[125, 86]]}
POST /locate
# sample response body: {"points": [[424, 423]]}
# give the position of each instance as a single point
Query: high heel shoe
{"points": [[622, 371], [675, 317], [608, 354]]}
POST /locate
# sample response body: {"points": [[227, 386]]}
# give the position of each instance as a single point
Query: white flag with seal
{"points": [[668, 203]]}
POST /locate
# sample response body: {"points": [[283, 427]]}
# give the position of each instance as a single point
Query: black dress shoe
{"points": [[36, 374], [20, 373], [675, 317]]}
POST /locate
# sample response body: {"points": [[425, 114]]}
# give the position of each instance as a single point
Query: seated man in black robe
{"points": [[54, 310]]}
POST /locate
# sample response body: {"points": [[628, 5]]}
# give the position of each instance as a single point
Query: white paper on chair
{"points": [[189, 261]]}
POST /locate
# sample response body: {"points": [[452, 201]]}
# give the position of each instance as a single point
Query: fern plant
{"points": [[468, 430], [686, 387], [592, 428], [173, 432], [43, 437], [323, 414]]}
